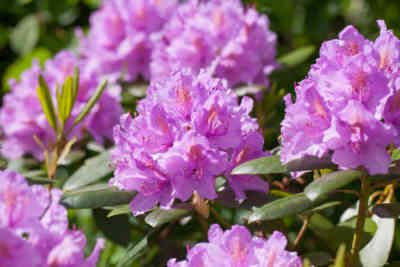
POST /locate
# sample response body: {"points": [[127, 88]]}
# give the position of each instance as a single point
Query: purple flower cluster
{"points": [[349, 103], [34, 228], [118, 43], [21, 116], [235, 42], [189, 130], [236, 247], [153, 38]]}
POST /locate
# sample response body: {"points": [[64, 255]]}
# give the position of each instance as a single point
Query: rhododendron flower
{"points": [[348, 103], [236, 247], [22, 117], [118, 44], [34, 227], [188, 130], [233, 41]]}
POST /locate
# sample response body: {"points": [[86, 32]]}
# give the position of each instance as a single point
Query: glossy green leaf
{"points": [[123, 209], [387, 210], [298, 56], [158, 216], [330, 182], [92, 170], [95, 196], [322, 207], [92, 101], [46, 102], [25, 35], [310, 163], [265, 165], [377, 251], [281, 207], [133, 252]]}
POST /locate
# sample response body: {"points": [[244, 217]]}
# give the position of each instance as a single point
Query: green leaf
{"points": [[334, 235], [25, 35], [95, 196], [318, 258], [298, 56], [123, 209], [377, 251], [46, 102], [395, 154], [387, 210], [116, 229], [133, 252], [65, 100], [39, 180], [272, 164], [341, 256], [158, 216], [15, 69], [281, 207], [322, 207], [265, 165], [93, 169], [92, 101], [310, 163], [330, 182]]}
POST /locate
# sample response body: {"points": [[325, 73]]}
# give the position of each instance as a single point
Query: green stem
{"points": [[362, 213], [219, 218]]}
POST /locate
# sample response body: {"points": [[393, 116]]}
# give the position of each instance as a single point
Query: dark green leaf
{"points": [[133, 252], [377, 251], [116, 229], [46, 102], [318, 258], [92, 101], [95, 196], [387, 210], [309, 163], [158, 216], [123, 209], [281, 207], [322, 207], [25, 35], [297, 56], [92, 170], [330, 182], [39, 180], [265, 165]]}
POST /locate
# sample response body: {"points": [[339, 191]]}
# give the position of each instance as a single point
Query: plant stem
{"points": [[302, 230], [219, 218], [362, 212]]}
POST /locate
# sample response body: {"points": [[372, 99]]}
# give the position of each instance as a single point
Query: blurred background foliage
{"points": [[40, 28]]}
